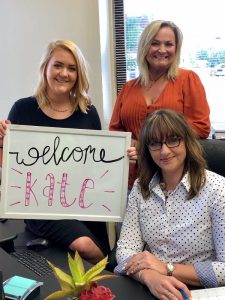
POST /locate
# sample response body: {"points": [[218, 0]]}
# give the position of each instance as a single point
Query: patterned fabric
{"points": [[179, 230], [186, 95], [206, 274]]}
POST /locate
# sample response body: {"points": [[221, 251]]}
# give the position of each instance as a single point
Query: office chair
{"points": [[7, 239], [214, 153]]}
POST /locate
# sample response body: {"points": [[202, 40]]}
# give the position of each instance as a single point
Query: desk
{"points": [[123, 288], [11, 267]]}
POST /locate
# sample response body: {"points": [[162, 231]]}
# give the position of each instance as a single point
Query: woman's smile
{"points": [[167, 159], [61, 73]]}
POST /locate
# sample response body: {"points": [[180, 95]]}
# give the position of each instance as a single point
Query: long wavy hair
{"points": [[145, 43], [159, 125], [79, 94]]}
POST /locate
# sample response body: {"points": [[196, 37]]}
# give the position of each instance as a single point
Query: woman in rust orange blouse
{"points": [[161, 84]]}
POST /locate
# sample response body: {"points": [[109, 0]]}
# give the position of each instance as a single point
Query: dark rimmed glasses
{"points": [[171, 142]]}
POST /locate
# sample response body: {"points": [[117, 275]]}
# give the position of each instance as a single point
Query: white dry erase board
{"points": [[59, 173]]}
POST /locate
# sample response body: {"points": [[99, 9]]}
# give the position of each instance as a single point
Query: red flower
{"points": [[96, 292]]}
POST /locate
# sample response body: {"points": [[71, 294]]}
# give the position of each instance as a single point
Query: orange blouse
{"points": [[185, 94]]}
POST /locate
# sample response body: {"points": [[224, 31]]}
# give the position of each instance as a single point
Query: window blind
{"points": [[119, 37]]}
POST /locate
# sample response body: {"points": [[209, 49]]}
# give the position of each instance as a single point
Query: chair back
{"points": [[214, 153]]}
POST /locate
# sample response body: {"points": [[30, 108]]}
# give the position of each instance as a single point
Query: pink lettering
{"points": [[49, 191], [29, 190], [83, 188], [63, 191], [50, 188]]}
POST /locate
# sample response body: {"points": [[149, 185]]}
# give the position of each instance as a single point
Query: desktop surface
{"points": [[122, 287], [10, 267]]}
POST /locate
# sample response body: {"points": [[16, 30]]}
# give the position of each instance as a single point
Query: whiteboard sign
{"points": [[60, 173]]}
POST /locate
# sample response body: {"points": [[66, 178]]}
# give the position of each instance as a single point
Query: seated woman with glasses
{"points": [[173, 234]]}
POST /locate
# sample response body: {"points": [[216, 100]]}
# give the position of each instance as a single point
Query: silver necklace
{"points": [[153, 81], [58, 110]]}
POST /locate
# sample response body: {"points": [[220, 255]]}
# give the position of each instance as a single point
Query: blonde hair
{"points": [[158, 126], [79, 94], [145, 42]]}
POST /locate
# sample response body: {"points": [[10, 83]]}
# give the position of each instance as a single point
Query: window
{"points": [[203, 47]]}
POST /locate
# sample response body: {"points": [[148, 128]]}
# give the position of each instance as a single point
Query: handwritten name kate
{"points": [[58, 154]]}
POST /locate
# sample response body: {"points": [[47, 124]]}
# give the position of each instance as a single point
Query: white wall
{"points": [[27, 26]]}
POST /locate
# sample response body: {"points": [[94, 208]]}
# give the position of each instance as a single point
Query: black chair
{"points": [[214, 153], [7, 240]]}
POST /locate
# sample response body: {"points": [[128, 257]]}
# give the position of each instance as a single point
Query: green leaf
{"points": [[79, 281], [103, 277], [76, 268], [66, 281], [60, 294], [95, 270]]}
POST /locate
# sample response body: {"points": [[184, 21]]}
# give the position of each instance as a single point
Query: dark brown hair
{"points": [[158, 126]]}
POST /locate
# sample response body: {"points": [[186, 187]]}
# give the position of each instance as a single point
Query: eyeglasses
{"points": [[171, 142]]}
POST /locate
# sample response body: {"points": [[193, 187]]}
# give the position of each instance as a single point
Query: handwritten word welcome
{"points": [[64, 173], [53, 153]]}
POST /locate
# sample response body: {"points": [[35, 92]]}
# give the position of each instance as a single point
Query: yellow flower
{"points": [[74, 284]]}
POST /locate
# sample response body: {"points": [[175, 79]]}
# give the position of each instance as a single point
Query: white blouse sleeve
{"points": [[212, 273], [130, 241]]}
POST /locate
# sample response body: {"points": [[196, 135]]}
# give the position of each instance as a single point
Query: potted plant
{"points": [[80, 284]]}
